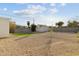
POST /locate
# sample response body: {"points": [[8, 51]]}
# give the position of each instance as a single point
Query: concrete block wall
{"points": [[72, 30]]}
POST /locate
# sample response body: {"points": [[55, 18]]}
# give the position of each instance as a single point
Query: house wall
{"points": [[4, 27]]}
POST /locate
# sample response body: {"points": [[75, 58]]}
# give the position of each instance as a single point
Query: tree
{"points": [[28, 23], [33, 27], [12, 27], [72, 24], [59, 24]]}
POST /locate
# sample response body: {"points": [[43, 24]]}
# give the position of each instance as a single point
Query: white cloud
{"points": [[39, 7], [21, 3], [5, 9], [52, 4], [15, 11], [53, 10], [33, 9], [63, 4]]}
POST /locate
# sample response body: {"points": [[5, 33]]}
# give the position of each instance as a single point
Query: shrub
{"points": [[33, 27], [12, 27]]}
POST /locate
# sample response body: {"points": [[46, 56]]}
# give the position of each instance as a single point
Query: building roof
{"points": [[4, 18]]}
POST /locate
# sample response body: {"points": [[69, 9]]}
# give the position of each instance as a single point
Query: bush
{"points": [[12, 27], [33, 27]]}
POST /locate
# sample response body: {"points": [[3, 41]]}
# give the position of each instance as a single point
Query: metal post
{"points": [[33, 21]]}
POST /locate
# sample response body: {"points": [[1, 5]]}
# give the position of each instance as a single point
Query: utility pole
{"points": [[33, 21]]}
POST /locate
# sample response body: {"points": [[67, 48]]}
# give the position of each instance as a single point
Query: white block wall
{"points": [[42, 29], [4, 27]]}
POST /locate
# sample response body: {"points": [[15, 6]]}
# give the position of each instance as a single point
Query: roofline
{"points": [[5, 18]]}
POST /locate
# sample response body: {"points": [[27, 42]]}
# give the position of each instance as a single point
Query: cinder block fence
{"points": [[67, 29]]}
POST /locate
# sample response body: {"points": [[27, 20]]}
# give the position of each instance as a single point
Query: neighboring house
{"points": [[4, 27], [42, 28]]}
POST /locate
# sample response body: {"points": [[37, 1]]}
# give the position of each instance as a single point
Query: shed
{"points": [[4, 27]]}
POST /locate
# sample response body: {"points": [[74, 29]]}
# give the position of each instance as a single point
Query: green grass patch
{"points": [[20, 34], [78, 35]]}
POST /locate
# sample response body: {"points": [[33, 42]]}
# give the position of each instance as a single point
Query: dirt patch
{"points": [[41, 44]]}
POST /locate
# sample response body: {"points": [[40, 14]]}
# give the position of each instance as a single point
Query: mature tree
{"points": [[28, 23], [59, 24], [72, 24]]}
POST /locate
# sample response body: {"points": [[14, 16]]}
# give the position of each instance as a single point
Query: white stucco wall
{"points": [[42, 29], [4, 27]]}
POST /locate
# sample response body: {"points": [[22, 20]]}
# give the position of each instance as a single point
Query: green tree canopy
{"points": [[33, 27], [72, 24], [28, 23], [59, 24]]}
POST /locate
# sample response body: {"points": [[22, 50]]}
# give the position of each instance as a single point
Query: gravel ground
{"points": [[41, 44]]}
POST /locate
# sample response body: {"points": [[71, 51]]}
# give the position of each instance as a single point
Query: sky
{"points": [[41, 13]]}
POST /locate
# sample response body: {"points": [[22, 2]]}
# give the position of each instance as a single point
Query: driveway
{"points": [[41, 44]]}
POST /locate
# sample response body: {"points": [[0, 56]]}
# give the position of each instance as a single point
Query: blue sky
{"points": [[42, 13]]}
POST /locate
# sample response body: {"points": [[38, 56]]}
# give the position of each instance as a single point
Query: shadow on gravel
{"points": [[4, 37], [20, 38]]}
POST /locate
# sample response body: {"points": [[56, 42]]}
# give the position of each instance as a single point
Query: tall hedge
{"points": [[12, 27], [33, 27]]}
